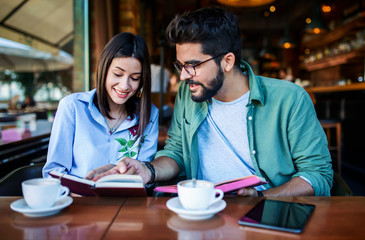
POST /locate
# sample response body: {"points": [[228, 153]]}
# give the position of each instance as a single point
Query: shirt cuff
{"points": [[306, 179]]}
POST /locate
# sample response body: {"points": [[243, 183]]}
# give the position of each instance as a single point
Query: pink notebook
{"points": [[226, 186]]}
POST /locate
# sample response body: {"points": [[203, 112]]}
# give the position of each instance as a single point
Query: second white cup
{"points": [[198, 194], [42, 193]]}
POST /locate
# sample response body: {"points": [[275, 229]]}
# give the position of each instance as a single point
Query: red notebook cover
{"points": [[109, 186], [226, 186]]}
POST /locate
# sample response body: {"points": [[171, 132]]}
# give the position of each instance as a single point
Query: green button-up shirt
{"points": [[285, 137]]}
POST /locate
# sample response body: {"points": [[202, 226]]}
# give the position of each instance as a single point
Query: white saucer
{"points": [[174, 205], [21, 206]]}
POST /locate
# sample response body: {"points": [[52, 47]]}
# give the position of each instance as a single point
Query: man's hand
{"points": [[126, 166], [247, 192], [294, 187]]}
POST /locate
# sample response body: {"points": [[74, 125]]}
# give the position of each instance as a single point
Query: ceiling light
{"points": [[245, 3], [326, 8], [317, 25], [286, 42]]}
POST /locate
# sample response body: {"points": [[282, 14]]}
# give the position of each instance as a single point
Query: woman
{"points": [[115, 120]]}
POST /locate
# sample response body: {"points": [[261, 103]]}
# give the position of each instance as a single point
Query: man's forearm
{"points": [[166, 168], [295, 187]]}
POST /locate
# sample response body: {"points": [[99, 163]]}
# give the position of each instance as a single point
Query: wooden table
{"points": [[149, 218], [85, 218]]}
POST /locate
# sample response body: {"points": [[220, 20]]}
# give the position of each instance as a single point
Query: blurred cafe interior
{"points": [[49, 49]]}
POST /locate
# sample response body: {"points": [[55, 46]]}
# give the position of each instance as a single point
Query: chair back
{"points": [[340, 187], [11, 184]]}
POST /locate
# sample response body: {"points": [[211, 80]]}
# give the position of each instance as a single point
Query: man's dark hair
{"points": [[214, 28]]}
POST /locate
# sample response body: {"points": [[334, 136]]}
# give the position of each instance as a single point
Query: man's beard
{"points": [[209, 92]]}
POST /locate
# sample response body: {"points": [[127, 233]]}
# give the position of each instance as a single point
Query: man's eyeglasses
{"points": [[190, 68]]}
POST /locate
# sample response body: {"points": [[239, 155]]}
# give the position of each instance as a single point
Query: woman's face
{"points": [[122, 81]]}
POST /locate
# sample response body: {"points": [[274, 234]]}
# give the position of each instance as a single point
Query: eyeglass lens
{"points": [[190, 69]]}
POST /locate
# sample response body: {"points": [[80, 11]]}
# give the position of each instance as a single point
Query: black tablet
{"points": [[278, 215]]}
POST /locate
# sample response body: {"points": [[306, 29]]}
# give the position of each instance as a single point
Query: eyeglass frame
{"points": [[193, 66]]}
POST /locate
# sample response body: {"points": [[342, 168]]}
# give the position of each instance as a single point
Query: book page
{"points": [[121, 178], [120, 181], [119, 185]]}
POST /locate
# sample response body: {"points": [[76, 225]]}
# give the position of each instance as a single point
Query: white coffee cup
{"points": [[198, 194], [42, 193]]}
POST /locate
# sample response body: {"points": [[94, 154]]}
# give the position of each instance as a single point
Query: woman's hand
{"points": [[97, 171]]}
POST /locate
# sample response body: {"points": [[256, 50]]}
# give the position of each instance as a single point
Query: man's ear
{"points": [[228, 61]]}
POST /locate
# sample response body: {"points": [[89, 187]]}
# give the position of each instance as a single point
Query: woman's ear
{"points": [[228, 61]]}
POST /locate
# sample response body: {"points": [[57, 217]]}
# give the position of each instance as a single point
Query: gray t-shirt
{"points": [[223, 144]]}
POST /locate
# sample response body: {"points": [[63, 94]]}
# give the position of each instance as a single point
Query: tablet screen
{"points": [[278, 215]]}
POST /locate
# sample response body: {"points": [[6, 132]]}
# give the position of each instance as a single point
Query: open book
{"points": [[111, 185], [226, 186]]}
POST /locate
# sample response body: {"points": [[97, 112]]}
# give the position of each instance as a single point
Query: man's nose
{"points": [[184, 75]]}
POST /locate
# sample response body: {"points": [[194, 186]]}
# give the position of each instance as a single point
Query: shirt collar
{"points": [[256, 88], [88, 98]]}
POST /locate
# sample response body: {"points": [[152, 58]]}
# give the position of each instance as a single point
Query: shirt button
{"points": [[253, 152], [250, 118]]}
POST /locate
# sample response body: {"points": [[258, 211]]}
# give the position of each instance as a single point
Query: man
{"points": [[229, 123]]}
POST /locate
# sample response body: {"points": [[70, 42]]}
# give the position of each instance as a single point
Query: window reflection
{"points": [[36, 53]]}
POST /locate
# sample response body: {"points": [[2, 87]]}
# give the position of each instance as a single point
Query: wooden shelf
{"points": [[346, 65], [357, 54], [344, 88], [341, 31]]}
